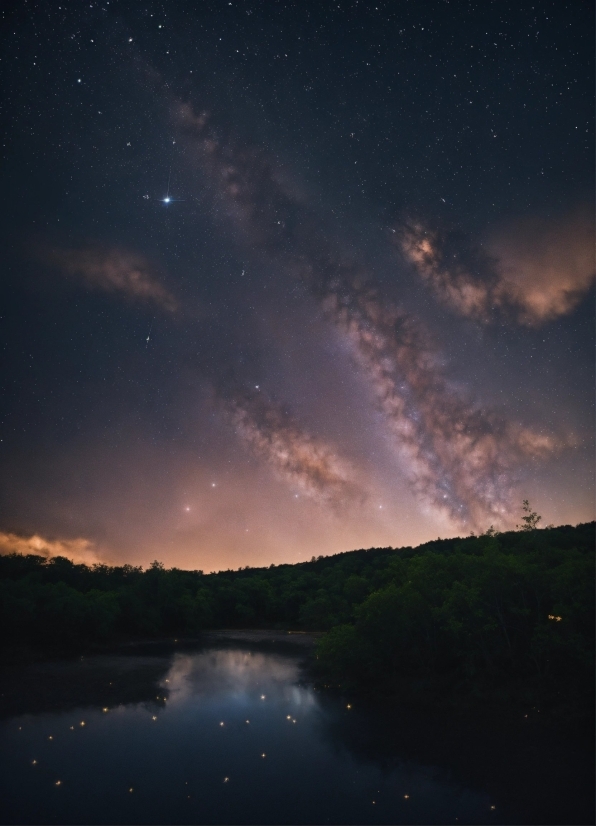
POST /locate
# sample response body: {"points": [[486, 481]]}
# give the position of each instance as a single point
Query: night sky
{"points": [[283, 279]]}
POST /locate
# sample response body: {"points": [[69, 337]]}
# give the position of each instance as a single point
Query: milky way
{"points": [[365, 317], [458, 454]]}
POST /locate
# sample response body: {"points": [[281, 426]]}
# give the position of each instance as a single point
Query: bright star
{"points": [[167, 199]]}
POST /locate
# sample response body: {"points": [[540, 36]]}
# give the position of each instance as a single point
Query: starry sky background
{"points": [[364, 317]]}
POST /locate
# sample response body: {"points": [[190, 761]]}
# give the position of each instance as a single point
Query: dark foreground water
{"points": [[232, 732]]}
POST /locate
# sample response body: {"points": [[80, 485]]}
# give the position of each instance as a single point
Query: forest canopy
{"points": [[498, 610]]}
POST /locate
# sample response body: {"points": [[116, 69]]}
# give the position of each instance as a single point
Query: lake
{"points": [[231, 730]]}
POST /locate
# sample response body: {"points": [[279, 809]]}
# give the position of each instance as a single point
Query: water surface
{"points": [[233, 732]]}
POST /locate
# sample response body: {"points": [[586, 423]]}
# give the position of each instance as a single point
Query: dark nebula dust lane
{"points": [[292, 280]]}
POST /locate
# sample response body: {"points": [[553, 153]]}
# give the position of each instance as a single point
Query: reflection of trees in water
{"points": [[95, 682], [538, 774]]}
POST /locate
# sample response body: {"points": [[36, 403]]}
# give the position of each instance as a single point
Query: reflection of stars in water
{"points": [[263, 755]]}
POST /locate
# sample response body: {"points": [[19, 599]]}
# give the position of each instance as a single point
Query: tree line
{"points": [[508, 611]]}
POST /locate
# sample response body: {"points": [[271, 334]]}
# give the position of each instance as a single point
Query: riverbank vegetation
{"points": [[510, 615]]}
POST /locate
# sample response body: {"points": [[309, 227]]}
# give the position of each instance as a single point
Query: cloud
{"points": [[547, 266], [307, 463], [535, 272], [77, 550], [114, 270], [460, 457]]}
